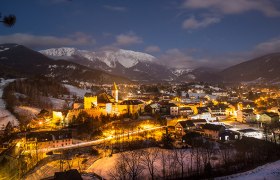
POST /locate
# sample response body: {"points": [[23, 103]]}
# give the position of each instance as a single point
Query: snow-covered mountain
{"points": [[126, 58], [134, 65], [180, 71]]}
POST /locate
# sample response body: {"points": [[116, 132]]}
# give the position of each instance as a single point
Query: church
{"points": [[110, 103]]}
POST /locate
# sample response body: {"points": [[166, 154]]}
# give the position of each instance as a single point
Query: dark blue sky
{"points": [[179, 32]]}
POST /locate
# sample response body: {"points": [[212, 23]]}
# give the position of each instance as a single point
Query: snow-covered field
{"points": [[106, 165], [76, 91], [57, 103], [5, 115], [27, 111], [270, 171]]}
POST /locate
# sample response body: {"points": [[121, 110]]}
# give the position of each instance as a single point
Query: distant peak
{"points": [[59, 52]]}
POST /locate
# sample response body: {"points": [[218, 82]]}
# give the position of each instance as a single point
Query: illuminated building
{"points": [[115, 92], [90, 101]]}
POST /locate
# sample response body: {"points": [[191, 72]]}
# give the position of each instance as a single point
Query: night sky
{"points": [[216, 33]]}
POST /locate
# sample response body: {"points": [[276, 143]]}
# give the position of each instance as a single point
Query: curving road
{"points": [[95, 142]]}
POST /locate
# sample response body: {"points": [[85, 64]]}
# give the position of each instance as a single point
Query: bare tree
{"points": [[180, 155], [120, 170], [207, 151], [173, 165], [192, 153], [133, 163], [225, 152], [163, 162], [128, 166], [149, 158]]}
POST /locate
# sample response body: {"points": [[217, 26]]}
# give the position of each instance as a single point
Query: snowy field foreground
{"points": [[270, 171], [106, 165]]}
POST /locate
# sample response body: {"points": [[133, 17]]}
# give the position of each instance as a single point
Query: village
{"points": [[117, 117]]}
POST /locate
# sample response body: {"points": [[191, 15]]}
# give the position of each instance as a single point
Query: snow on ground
{"points": [[76, 91], [5, 115], [27, 111], [269, 171], [105, 165], [48, 169], [3, 83], [57, 103]]}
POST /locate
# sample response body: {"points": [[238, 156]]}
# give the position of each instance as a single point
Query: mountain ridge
{"points": [[137, 66], [19, 61]]}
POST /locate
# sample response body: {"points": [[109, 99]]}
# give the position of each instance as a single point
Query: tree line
{"points": [[30, 92], [205, 159]]}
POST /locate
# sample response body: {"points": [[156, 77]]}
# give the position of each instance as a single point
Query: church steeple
{"points": [[115, 93], [115, 87]]}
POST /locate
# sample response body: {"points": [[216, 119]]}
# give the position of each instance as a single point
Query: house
{"points": [[5, 128], [183, 126], [246, 115], [220, 94], [219, 112], [198, 122], [251, 133], [152, 108], [213, 131], [132, 106], [246, 105], [204, 115], [47, 139], [201, 110], [185, 111], [268, 117], [174, 110], [229, 135]]}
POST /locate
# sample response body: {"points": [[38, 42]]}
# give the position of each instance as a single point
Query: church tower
{"points": [[115, 92]]}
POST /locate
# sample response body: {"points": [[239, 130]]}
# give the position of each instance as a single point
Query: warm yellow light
{"points": [[57, 115]]}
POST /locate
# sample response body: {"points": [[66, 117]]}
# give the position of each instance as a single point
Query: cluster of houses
{"points": [[47, 139], [214, 131]]}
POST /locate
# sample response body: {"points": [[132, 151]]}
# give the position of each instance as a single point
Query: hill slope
{"points": [[264, 68], [19, 61]]}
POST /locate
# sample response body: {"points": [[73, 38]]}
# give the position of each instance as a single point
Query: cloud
{"points": [[152, 49], [272, 45], [37, 41], [194, 58], [193, 23], [127, 39], [115, 8], [176, 58], [234, 6]]}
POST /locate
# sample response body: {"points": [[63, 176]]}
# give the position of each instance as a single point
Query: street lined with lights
{"points": [[95, 142]]}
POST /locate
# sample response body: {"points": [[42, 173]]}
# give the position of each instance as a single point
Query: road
{"points": [[95, 142]]}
